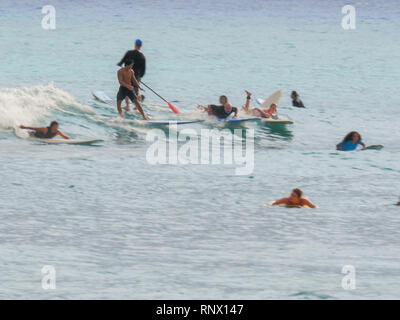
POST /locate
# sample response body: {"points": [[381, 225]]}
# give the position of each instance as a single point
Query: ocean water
{"points": [[116, 227]]}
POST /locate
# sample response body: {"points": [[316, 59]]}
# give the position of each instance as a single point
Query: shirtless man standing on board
{"points": [[126, 77]]}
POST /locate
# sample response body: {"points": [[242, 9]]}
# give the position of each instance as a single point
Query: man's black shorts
{"points": [[125, 92]]}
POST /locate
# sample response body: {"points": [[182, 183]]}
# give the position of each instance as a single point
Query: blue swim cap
{"points": [[138, 42]]}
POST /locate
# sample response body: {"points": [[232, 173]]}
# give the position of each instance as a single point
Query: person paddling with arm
{"points": [[126, 77], [350, 142], [296, 199], [45, 132], [221, 111]]}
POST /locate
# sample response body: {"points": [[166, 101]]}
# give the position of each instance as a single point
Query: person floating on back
{"points": [[350, 142], [126, 76], [45, 132], [296, 102], [262, 113], [221, 111], [296, 200], [139, 66]]}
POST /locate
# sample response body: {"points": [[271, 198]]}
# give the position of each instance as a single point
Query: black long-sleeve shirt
{"points": [[139, 62]]}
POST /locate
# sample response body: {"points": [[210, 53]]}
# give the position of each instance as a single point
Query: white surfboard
{"points": [[158, 123], [66, 141], [278, 119], [237, 120], [102, 97], [273, 98]]}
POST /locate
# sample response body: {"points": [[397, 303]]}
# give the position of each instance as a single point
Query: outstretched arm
{"points": [[262, 113], [122, 60], [280, 201], [308, 203], [62, 135], [44, 130]]}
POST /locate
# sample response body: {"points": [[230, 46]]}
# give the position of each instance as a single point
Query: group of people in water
{"points": [[133, 67], [225, 109]]}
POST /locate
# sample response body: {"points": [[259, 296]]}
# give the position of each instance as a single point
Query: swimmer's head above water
{"points": [[353, 136], [53, 127], [223, 99], [296, 194]]}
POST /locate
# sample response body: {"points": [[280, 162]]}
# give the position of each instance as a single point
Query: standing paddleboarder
{"points": [[139, 65], [126, 77]]}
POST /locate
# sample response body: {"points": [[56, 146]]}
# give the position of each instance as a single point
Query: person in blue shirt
{"points": [[350, 142]]}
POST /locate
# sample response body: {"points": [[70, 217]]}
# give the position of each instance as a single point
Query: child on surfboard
{"points": [[296, 200], [45, 132], [266, 113]]}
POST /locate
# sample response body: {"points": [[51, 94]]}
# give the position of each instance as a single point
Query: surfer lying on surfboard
{"points": [[46, 133], [222, 111], [295, 200], [126, 77], [266, 113], [350, 142]]}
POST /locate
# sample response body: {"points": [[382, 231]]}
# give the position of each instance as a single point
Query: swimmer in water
{"points": [[296, 102], [262, 113], [221, 111], [350, 142], [295, 199], [46, 132]]}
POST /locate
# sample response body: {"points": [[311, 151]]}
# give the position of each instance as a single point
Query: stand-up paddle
{"points": [[172, 107]]}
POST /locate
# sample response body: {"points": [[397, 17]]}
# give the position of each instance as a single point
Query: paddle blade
{"points": [[173, 108]]}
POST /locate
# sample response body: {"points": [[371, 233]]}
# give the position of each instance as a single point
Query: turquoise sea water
{"points": [[116, 227]]}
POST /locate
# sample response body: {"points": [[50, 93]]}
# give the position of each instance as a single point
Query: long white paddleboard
{"points": [[66, 141], [238, 120], [273, 98], [158, 123]]}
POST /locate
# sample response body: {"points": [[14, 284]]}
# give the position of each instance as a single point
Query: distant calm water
{"points": [[116, 227]]}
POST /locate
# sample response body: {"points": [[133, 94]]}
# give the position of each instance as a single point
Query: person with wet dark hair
{"points": [[220, 111], [295, 200], [296, 102], [350, 142], [47, 132]]}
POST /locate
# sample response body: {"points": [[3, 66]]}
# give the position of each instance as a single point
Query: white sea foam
{"points": [[31, 105]]}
